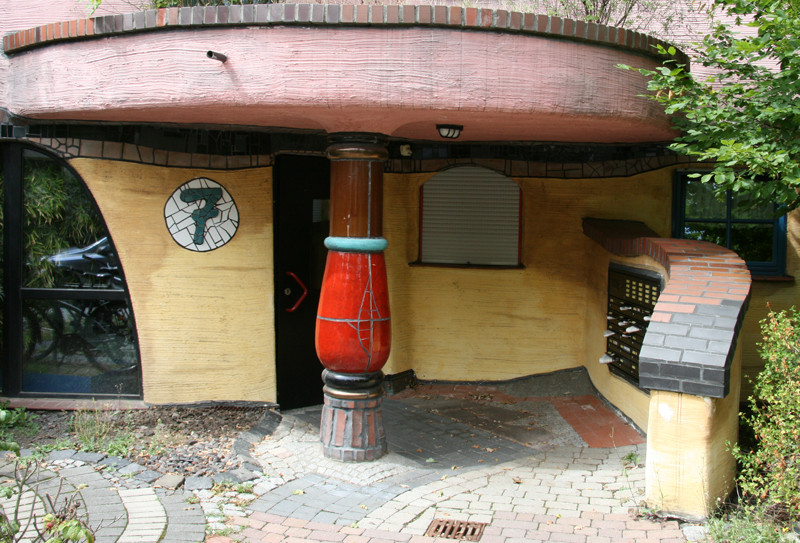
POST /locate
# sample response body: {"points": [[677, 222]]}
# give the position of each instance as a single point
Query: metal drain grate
{"points": [[456, 529]]}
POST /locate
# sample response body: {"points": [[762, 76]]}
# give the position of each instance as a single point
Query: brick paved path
{"points": [[568, 493], [553, 488]]}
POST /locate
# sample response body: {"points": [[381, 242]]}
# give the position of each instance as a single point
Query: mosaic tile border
{"points": [[226, 150]]}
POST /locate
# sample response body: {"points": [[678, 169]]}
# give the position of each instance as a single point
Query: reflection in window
{"points": [[76, 332], [59, 217], [79, 347], [754, 233]]}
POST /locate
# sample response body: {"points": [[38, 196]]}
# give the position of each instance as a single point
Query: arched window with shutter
{"points": [[470, 216]]}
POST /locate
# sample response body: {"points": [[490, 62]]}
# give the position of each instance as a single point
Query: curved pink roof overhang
{"points": [[394, 70]]}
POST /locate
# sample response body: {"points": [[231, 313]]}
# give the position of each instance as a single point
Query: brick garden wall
{"points": [[693, 332]]}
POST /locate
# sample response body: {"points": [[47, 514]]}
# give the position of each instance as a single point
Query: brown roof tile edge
{"points": [[691, 339], [335, 14]]}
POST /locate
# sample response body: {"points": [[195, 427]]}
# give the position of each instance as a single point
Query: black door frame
{"points": [[297, 181]]}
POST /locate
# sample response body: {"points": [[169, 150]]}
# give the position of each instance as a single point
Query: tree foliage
{"points": [[652, 16], [745, 117]]}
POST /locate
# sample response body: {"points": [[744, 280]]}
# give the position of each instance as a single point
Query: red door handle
{"points": [[302, 296]]}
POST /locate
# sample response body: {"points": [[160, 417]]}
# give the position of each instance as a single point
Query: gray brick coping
{"points": [[691, 339]]}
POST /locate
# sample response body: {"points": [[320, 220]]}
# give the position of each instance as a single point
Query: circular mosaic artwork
{"points": [[201, 215]]}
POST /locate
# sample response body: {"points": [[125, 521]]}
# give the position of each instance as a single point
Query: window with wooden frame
{"points": [[470, 216]]}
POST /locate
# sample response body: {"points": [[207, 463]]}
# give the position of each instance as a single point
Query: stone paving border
{"points": [[119, 509]]}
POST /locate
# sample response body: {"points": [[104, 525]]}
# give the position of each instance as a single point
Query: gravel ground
{"points": [[186, 440]]}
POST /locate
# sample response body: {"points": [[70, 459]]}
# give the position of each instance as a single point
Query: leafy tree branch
{"points": [[745, 117]]}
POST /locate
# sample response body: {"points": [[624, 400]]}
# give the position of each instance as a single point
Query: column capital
{"points": [[357, 146]]}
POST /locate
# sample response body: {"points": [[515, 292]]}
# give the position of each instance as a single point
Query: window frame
{"points": [[764, 269], [17, 293], [469, 264]]}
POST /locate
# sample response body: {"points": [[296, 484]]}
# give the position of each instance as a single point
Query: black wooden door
{"points": [[302, 201]]}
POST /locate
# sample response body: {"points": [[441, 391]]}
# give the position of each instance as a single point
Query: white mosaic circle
{"points": [[201, 215]]}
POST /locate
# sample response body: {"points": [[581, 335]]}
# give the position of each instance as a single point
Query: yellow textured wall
{"points": [[205, 320], [689, 466], [490, 324]]}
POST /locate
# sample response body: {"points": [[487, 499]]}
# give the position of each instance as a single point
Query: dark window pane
{"points": [[79, 347], [702, 203], [63, 230], [706, 231], [741, 209], [753, 242]]}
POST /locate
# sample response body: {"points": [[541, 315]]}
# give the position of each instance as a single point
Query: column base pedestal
{"points": [[351, 428]]}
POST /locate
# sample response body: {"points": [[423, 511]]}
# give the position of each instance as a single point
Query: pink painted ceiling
{"points": [[396, 80]]}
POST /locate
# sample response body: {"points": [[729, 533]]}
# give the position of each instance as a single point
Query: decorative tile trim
{"points": [[550, 169], [691, 339], [68, 148], [221, 149], [498, 20]]}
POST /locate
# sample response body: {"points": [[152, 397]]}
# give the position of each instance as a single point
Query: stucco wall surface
{"points": [[21, 14], [205, 320], [489, 324]]}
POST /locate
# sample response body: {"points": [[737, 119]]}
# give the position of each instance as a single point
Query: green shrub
{"points": [[770, 473]]}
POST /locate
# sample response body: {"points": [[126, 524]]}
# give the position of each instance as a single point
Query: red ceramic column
{"points": [[353, 331]]}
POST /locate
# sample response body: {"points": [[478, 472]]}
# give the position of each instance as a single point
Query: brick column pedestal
{"points": [[352, 424]]}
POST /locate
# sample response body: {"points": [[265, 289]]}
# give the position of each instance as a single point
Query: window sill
{"points": [[419, 264], [773, 278]]}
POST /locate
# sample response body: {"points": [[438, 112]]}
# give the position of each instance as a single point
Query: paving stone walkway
{"points": [[552, 486]]}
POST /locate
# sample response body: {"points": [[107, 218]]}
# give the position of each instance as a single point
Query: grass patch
{"points": [[748, 524], [102, 430]]}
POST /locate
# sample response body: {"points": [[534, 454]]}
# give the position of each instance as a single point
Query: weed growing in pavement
{"points": [[163, 439], [631, 460], [222, 532], [98, 430], [244, 488], [229, 486], [40, 451]]}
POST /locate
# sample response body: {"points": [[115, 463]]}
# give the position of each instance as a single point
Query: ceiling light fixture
{"points": [[449, 131]]}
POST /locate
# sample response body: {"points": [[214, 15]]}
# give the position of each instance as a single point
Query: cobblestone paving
{"points": [[119, 507], [566, 493], [556, 489]]}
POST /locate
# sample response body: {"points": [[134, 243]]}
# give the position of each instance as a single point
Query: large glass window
{"points": [[754, 233], [470, 216], [69, 328]]}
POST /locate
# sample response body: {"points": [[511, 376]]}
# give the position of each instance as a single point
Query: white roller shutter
{"points": [[470, 215]]}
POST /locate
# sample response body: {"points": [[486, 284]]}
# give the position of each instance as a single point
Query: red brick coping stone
{"points": [[334, 14], [691, 338]]}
